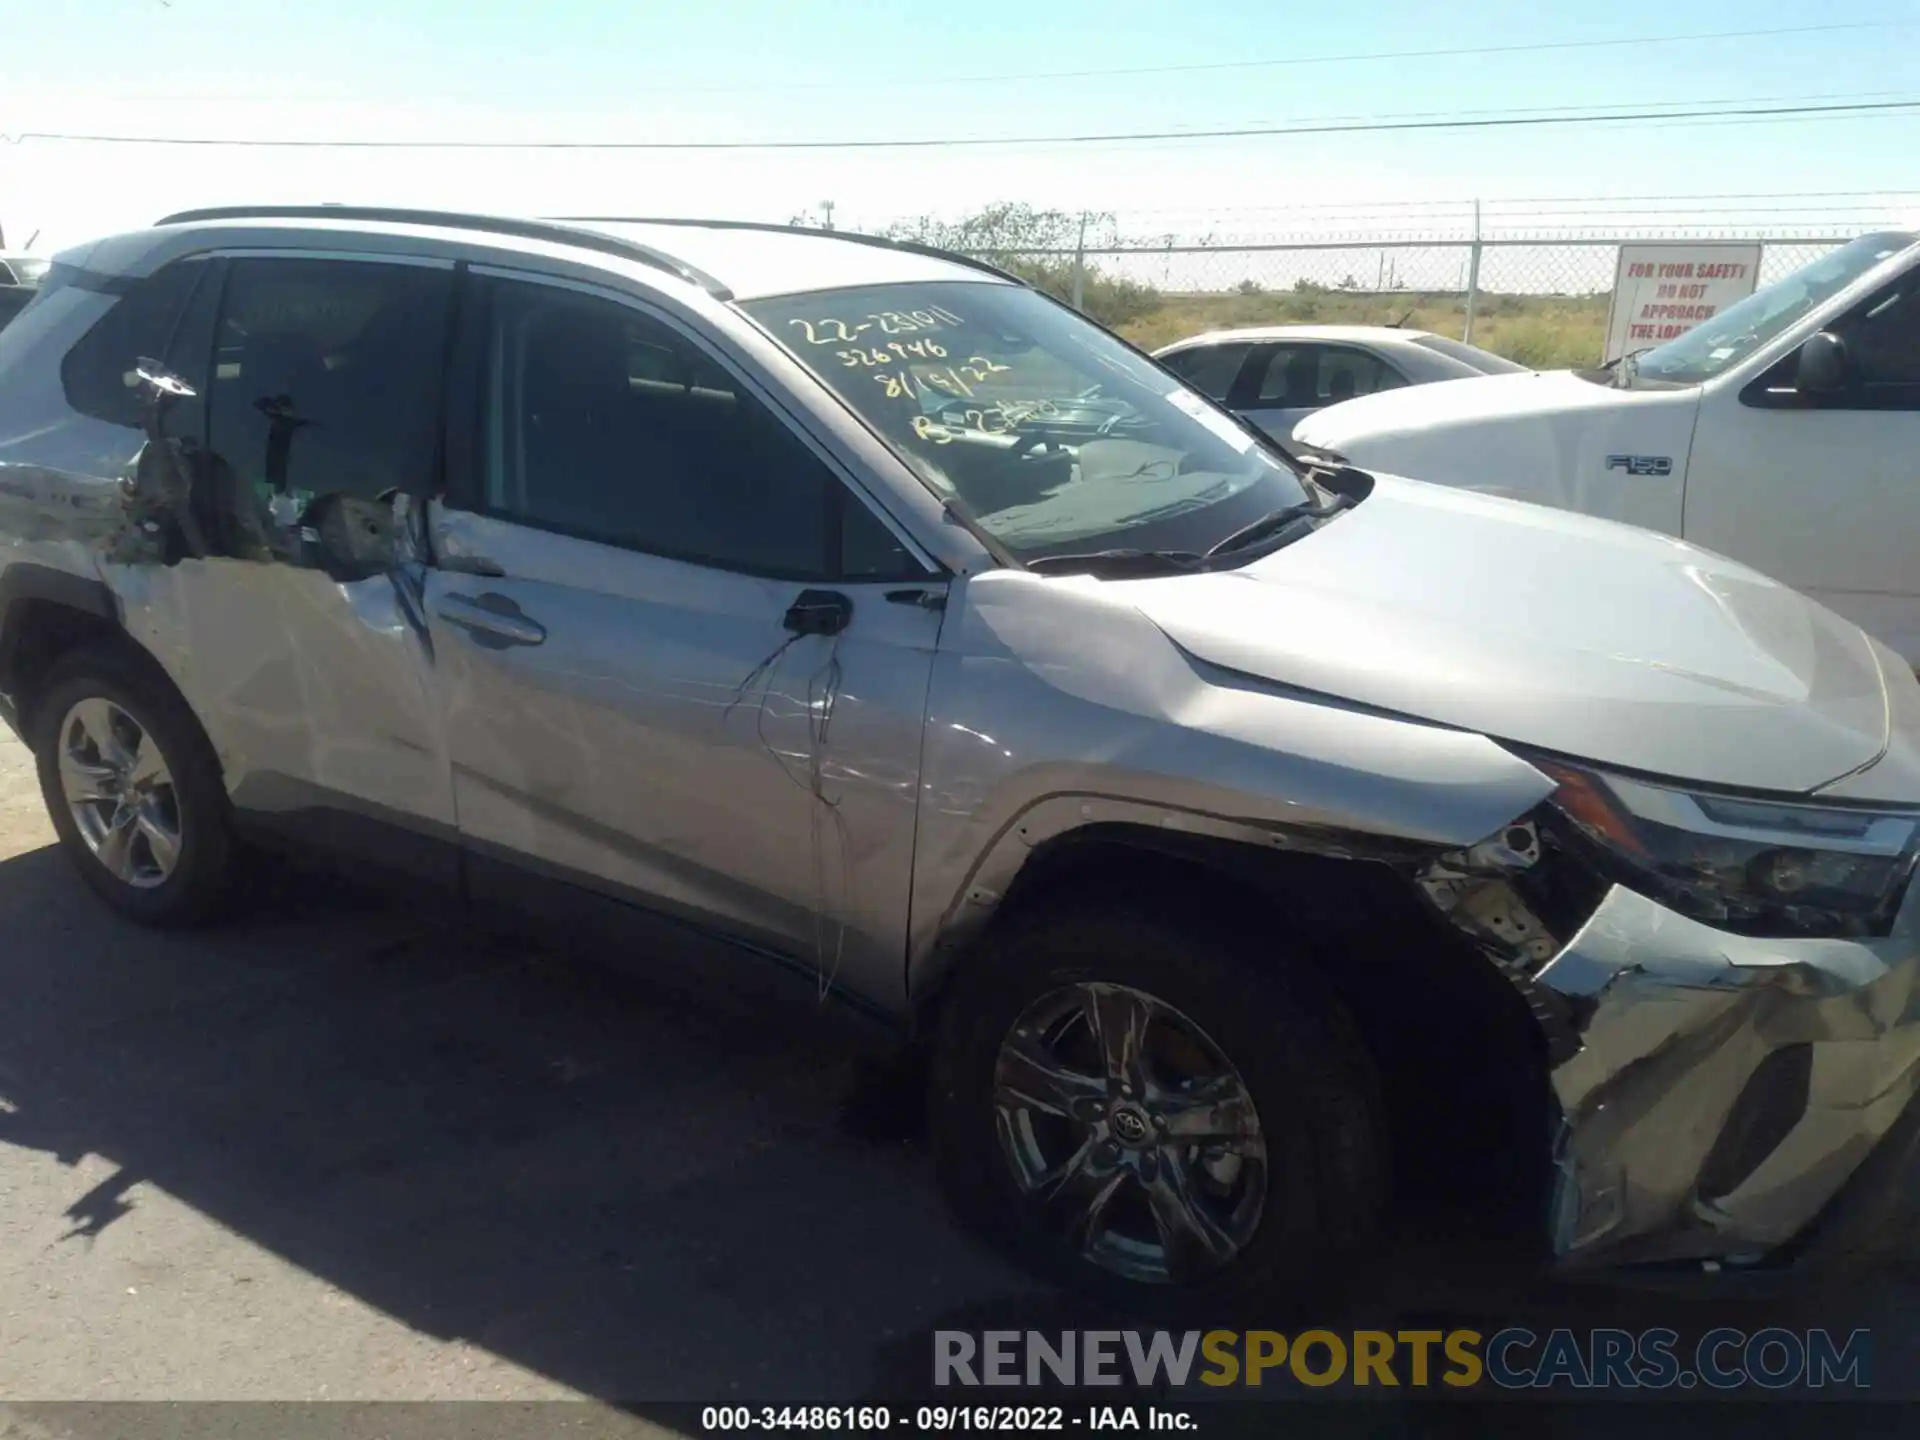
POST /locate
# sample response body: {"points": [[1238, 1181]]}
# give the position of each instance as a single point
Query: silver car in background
{"points": [[1244, 843], [1277, 375]]}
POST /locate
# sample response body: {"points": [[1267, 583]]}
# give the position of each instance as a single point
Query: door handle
{"points": [[490, 619]]}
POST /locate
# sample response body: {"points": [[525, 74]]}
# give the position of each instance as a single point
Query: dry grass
{"points": [[1545, 331]]}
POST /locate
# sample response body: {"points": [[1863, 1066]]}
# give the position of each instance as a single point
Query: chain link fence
{"points": [[1542, 302]]}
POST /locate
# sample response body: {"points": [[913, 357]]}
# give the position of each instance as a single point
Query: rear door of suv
{"points": [[269, 590]]}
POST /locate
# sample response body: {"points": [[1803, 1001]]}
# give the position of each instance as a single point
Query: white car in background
{"points": [[1277, 375], [1784, 433], [21, 269]]}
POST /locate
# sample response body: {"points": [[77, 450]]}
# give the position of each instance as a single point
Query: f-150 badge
{"points": [[1641, 464]]}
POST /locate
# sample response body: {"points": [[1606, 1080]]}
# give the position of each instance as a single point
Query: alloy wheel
{"points": [[120, 791], [1130, 1133]]}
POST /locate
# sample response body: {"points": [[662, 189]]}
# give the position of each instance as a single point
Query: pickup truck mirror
{"points": [[1824, 366]]}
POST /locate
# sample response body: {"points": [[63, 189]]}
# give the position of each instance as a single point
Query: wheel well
{"points": [[37, 634], [1462, 1063]]}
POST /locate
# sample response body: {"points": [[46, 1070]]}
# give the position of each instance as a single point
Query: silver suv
{"points": [[1247, 842]]}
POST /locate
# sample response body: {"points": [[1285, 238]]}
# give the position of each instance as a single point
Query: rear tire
{"points": [[1245, 1051], [133, 787]]}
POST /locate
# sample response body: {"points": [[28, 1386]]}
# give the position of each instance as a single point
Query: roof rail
{"points": [[549, 230], [915, 247]]}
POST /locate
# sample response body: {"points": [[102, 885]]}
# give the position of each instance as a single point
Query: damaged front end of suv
{"points": [[1727, 986]]}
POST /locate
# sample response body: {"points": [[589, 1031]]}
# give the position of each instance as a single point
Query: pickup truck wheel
{"points": [[133, 788], [1142, 1110]]}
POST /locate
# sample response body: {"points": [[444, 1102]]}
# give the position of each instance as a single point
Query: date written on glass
{"points": [[952, 380], [831, 330]]}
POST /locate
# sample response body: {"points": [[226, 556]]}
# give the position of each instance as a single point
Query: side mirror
{"points": [[1824, 367]]}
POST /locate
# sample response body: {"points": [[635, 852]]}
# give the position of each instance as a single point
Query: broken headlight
{"points": [[1757, 867]]}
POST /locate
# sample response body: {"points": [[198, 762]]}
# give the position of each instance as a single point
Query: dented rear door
{"points": [[267, 578]]}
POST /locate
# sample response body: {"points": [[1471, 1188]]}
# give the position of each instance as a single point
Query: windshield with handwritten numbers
{"points": [[1053, 434]]}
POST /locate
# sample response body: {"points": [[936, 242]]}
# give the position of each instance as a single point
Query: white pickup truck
{"points": [[1784, 433]]}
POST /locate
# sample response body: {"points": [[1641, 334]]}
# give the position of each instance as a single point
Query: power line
{"points": [[1485, 122], [1703, 104]]}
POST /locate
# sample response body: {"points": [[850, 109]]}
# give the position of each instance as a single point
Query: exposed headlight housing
{"points": [[1755, 867]]}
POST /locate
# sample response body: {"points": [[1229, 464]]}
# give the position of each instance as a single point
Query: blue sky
{"points": [[857, 69]]}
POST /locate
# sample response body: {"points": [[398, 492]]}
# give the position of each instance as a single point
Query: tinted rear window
{"points": [[1485, 361]]}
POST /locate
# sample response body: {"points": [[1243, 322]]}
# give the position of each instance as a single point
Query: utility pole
{"points": [[1473, 274], [1080, 263]]}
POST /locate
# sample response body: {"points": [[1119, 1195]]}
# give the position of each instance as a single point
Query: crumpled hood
{"points": [[1577, 635]]}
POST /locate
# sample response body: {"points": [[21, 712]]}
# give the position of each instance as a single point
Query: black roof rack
{"points": [[915, 247], [550, 230]]}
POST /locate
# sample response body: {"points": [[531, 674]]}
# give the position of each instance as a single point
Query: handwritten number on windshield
{"points": [[836, 332], [829, 330], [895, 352], [1003, 418]]}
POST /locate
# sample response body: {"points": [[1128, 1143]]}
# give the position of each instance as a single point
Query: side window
{"points": [[608, 425], [327, 379], [1288, 373], [1883, 339], [1346, 373], [97, 374], [1210, 369]]}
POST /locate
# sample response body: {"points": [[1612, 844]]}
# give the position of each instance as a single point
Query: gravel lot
{"points": [[337, 1151]]}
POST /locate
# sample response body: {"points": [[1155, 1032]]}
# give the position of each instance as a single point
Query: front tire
{"points": [[133, 787], [1145, 1112]]}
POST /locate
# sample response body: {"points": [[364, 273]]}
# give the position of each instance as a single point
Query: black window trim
{"points": [[464, 489], [200, 316]]}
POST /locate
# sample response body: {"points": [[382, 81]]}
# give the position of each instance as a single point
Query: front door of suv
{"points": [[682, 664]]}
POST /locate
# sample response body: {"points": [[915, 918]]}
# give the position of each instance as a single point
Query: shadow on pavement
{"points": [[636, 1186]]}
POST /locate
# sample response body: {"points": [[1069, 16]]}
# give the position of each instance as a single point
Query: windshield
{"points": [[1742, 328], [1055, 437]]}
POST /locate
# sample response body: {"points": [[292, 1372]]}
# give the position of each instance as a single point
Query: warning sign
{"points": [[1660, 291]]}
